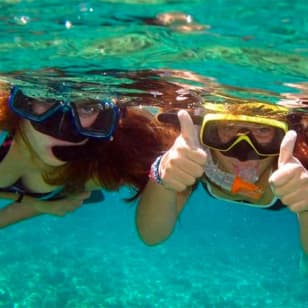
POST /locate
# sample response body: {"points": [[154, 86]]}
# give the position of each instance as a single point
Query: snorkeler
{"points": [[53, 152], [235, 158], [289, 182]]}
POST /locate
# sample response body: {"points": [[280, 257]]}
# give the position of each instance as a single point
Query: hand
{"points": [[290, 181], [58, 207], [184, 162]]}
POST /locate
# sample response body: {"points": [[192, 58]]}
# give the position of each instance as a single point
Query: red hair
{"points": [[126, 160], [298, 121], [8, 120]]}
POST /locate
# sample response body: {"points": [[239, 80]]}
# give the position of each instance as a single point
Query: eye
{"points": [[228, 128], [37, 106], [264, 130], [89, 109]]}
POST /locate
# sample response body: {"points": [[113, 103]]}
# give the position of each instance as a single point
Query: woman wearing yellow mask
{"points": [[242, 155]]}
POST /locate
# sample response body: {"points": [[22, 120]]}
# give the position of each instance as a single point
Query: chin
{"points": [[54, 163], [51, 160]]}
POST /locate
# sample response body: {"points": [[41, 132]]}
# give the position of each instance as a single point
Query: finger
{"points": [[85, 194], [190, 168], [287, 197], [177, 184], [180, 176], [198, 156], [188, 131], [287, 174], [287, 148], [299, 206], [81, 196], [282, 191]]}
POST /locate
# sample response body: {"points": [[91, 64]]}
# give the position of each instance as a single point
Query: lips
{"points": [[57, 142], [245, 165], [68, 151], [247, 171], [71, 153]]}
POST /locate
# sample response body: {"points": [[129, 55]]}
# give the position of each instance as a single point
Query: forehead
{"points": [[241, 124], [42, 101]]}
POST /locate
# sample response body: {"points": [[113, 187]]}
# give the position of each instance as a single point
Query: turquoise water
{"points": [[220, 255]]}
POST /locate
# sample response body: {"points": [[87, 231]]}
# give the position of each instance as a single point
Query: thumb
{"points": [[188, 131], [287, 148]]}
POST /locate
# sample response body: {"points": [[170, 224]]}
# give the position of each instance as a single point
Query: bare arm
{"points": [[290, 183], [158, 211], [179, 168], [30, 207], [15, 211]]}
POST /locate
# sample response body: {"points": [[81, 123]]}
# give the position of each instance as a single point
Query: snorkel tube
{"points": [[231, 182]]}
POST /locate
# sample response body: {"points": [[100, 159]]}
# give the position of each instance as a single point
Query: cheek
{"points": [[226, 135], [223, 161], [267, 164], [36, 140], [301, 149]]}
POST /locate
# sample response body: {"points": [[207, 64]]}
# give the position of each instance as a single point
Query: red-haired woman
{"points": [[53, 153]]}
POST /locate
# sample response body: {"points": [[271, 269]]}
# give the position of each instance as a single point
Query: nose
{"points": [[65, 106], [66, 129], [243, 152], [243, 131]]}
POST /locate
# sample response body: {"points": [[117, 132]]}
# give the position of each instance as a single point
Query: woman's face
{"points": [[42, 144]]}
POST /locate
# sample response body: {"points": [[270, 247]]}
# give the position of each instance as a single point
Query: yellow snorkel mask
{"points": [[257, 124], [223, 126], [223, 132]]}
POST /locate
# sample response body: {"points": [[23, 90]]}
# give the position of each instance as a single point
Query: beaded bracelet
{"points": [[154, 171]]}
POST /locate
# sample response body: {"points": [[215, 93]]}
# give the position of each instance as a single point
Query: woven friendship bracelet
{"points": [[154, 171]]}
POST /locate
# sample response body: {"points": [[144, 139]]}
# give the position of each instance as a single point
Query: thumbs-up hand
{"points": [[184, 162], [290, 181]]}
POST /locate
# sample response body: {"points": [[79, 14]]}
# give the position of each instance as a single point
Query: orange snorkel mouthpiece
{"points": [[247, 189]]}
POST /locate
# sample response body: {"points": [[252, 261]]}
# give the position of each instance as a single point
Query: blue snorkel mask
{"points": [[69, 121]]}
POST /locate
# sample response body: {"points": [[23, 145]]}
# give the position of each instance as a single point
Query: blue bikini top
{"points": [[5, 143]]}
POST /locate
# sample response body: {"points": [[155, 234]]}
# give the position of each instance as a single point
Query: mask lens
{"points": [[95, 118], [31, 108], [223, 135]]}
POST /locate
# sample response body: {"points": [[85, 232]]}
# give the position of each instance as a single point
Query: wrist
{"points": [[154, 173]]}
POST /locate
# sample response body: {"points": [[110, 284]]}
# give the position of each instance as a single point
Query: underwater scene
{"points": [[155, 55]]}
